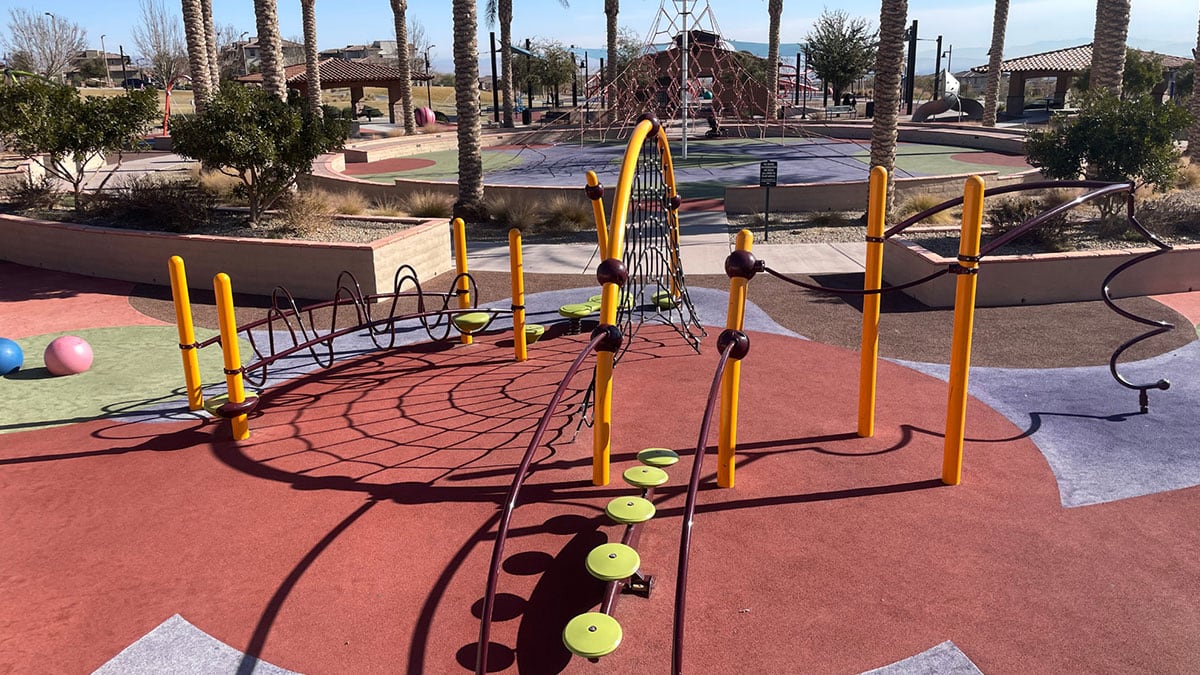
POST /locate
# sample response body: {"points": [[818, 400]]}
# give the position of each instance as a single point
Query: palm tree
{"points": [[889, 62], [193, 30], [991, 91], [774, 10], [611, 9], [1108, 45], [466, 103], [399, 15], [210, 39], [502, 10], [270, 49], [312, 74], [1193, 148]]}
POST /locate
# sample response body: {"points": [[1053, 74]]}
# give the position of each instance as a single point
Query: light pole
{"points": [[429, 76], [242, 46], [104, 57]]}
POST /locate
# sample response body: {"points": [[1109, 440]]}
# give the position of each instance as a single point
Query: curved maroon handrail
{"points": [[510, 504], [689, 511]]}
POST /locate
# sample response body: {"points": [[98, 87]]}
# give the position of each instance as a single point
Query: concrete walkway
{"points": [[704, 245]]}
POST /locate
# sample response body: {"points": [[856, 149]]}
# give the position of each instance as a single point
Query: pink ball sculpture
{"points": [[68, 355], [423, 115]]}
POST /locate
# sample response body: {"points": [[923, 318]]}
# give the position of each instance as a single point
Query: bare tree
{"points": [[49, 42], [159, 38]]}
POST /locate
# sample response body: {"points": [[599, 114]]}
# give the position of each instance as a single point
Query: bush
{"points": [[1112, 139], [567, 214], [304, 212], [426, 204], [918, 203], [222, 187], [1188, 175], [1174, 213], [1008, 213], [28, 194], [350, 202], [152, 203], [386, 206], [522, 214]]}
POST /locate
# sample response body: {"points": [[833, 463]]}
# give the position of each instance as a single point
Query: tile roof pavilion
{"points": [[338, 73]]}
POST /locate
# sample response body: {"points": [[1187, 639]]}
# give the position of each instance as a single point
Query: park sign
{"points": [[768, 173]]}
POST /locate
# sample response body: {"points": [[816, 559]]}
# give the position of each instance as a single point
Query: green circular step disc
{"points": [[659, 457], [645, 476], [533, 332], [612, 562], [664, 300], [580, 310], [630, 510], [472, 321], [592, 635]]}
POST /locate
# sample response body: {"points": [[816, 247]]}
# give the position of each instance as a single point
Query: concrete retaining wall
{"points": [[308, 269], [1044, 278], [852, 195]]}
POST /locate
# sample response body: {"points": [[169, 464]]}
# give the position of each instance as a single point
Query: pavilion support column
{"points": [[393, 99], [1014, 105], [1062, 84], [356, 95]]}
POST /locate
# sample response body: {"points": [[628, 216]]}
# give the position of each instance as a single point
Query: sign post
{"points": [[768, 175]]}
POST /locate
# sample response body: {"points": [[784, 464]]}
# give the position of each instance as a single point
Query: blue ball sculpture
{"points": [[11, 356]]}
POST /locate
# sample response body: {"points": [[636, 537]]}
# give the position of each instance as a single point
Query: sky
{"points": [[1167, 26]]}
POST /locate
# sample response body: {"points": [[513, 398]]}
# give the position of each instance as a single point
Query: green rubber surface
{"points": [[471, 322], [645, 476], [592, 635], [630, 510], [613, 562], [135, 367], [659, 457]]}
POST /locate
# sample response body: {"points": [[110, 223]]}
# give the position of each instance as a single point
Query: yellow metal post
{"points": [[187, 333], [964, 320], [518, 294], [872, 280], [735, 319], [230, 349], [460, 263], [596, 194], [610, 296]]}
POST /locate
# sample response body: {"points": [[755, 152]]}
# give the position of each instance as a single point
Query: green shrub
{"points": [[303, 212], [1008, 213], [522, 214], [1175, 213]]}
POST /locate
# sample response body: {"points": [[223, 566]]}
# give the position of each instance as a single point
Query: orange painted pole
{"points": [[868, 367], [231, 351], [735, 319], [462, 286], [187, 333], [964, 320], [595, 192], [517, 265]]}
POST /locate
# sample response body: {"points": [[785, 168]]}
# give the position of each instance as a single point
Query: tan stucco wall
{"points": [[307, 269], [1044, 278]]}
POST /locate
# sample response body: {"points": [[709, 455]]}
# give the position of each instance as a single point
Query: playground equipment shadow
{"points": [[352, 531]]}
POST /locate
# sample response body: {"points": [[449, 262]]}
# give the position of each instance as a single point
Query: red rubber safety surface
{"points": [[351, 533]]}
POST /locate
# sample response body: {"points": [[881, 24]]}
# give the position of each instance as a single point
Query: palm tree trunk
{"points": [[270, 49], [404, 64], [504, 12], [466, 100], [210, 39], [889, 62], [991, 92], [193, 30], [611, 9], [1193, 148], [1108, 45], [775, 10], [312, 74]]}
